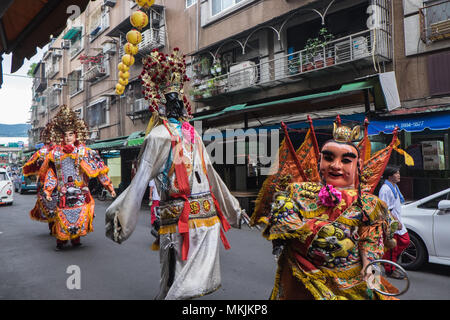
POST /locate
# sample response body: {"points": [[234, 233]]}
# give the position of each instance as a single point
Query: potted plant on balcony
{"points": [[205, 66], [315, 49]]}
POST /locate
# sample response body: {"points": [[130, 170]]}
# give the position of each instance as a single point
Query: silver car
{"points": [[428, 224]]}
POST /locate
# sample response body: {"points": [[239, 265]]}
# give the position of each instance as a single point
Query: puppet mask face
{"points": [[338, 164], [69, 137]]}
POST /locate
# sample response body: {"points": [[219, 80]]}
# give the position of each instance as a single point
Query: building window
{"points": [[97, 114], [76, 43], [217, 6], [98, 22], [75, 82], [190, 3], [435, 20]]}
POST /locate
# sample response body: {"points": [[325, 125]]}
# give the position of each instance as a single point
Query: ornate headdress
{"points": [[67, 120], [46, 136], [344, 134], [164, 74]]}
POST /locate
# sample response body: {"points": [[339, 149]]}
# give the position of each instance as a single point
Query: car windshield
{"points": [[3, 176], [30, 179]]}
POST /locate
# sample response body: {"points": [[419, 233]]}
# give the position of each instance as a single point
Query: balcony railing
{"points": [[153, 38], [362, 48], [96, 72]]}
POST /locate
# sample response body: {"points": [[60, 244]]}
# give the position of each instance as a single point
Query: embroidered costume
{"points": [[44, 210], [324, 225], [196, 207], [67, 170]]}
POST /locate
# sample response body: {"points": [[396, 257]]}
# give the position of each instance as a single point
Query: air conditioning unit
{"points": [[242, 75], [56, 52], [359, 49], [140, 105], [109, 48], [65, 44], [57, 87]]}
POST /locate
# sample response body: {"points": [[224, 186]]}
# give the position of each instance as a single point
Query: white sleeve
{"points": [[122, 215]]}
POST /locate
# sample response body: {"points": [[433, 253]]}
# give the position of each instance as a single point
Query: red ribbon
{"points": [[183, 224]]}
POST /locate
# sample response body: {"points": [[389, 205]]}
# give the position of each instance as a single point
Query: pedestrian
{"points": [[67, 170], [196, 206], [390, 193]]}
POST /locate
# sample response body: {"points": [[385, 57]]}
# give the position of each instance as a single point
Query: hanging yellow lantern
{"points": [[124, 75], [139, 19], [141, 3], [130, 48], [123, 81], [120, 89], [123, 67], [150, 2], [128, 59], [134, 36]]}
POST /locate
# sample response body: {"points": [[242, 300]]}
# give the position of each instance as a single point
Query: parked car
{"points": [[27, 184], [6, 188], [428, 224]]}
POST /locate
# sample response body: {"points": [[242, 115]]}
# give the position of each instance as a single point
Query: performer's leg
{"points": [[402, 244], [76, 242], [60, 244]]}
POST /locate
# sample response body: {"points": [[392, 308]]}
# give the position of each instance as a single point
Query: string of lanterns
{"points": [[139, 20]]}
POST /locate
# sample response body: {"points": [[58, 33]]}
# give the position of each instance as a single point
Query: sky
{"points": [[15, 94]]}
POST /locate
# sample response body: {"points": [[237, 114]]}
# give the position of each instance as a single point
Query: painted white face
{"points": [[339, 164], [70, 137]]}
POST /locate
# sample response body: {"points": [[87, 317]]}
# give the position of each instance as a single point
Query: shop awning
{"points": [[72, 33], [416, 123], [26, 25], [109, 144], [344, 89], [136, 139]]}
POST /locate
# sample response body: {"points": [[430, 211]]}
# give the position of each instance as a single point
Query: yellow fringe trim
{"points": [[61, 236], [155, 246], [193, 223]]}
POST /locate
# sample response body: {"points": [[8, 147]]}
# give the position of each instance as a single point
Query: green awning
{"points": [[109, 144], [72, 33], [136, 139], [346, 88]]}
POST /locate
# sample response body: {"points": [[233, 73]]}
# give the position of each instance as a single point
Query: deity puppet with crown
{"points": [[196, 206], [66, 171], [44, 210], [325, 225]]}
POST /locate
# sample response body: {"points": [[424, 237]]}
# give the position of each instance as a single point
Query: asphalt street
{"points": [[30, 268]]}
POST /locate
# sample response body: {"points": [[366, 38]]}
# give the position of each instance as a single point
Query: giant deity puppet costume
{"points": [[67, 170], [44, 210], [325, 224], [196, 206]]}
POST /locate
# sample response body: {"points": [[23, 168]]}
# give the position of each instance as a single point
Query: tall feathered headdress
{"points": [[162, 74], [67, 120]]}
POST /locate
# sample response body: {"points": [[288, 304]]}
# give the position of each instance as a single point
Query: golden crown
{"points": [[345, 134]]}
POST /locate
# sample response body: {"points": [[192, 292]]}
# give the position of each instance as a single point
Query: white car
{"points": [[6, 188], [428, 224]]}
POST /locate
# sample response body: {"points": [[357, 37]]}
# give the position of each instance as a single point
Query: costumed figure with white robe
{"points": [[196, 207]]}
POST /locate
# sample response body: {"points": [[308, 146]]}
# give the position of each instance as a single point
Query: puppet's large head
{"points": [[163, 77], [339, 158], [68, 127]]}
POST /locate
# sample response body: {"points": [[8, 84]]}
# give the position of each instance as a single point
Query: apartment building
{"points": [[255, 63]]}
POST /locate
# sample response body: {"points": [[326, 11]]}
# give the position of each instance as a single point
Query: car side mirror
{"points": [[444, 205]]}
